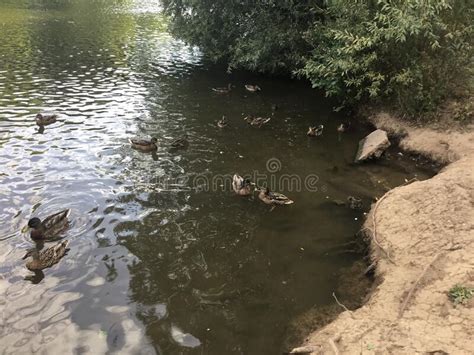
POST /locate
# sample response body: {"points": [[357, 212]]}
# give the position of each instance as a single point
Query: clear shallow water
{"points": [[158, 262]]}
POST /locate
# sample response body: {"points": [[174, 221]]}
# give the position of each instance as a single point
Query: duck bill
{"points": [[25, 229]]}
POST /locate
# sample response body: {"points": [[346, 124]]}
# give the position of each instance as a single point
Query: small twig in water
{"points": [[340, 304], [369, 268], [304, 350]]}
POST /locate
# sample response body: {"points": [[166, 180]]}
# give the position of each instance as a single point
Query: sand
{"points": [[424, 246]]}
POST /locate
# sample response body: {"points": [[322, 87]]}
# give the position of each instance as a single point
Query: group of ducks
{"points": [[243, 187], [228, 88], [46, 231], [52, 226], [144, 145], [313, 131]]}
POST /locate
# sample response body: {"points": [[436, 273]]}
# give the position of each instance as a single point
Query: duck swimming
{"points": [[223, 90], [44, 119], [222, 122], [315, 131], [354, 203], [50, 227], [257, 121], [241, 186], [180, 143], [46, 258], [252, 88], [144, 145], [273, 198]]}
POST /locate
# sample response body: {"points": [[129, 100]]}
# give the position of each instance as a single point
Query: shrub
{"points": [[411, 53], [460, 294]]}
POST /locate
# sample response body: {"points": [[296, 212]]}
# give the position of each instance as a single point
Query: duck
{"points": [[252, 88], [222, 122], [180, 143], [46, 258], [273, 198], [257, 121], [354, 203], [241, 186], [45, 118], [315, 131], [50, 227], [223, 90], [144, 145]]}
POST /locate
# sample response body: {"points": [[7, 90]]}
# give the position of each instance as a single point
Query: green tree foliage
{"points": [[260, 35], [411, 53]]}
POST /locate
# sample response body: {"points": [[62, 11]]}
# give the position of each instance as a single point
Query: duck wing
{"points": [[237, 182], [280, 198], [56, 220], [52, 255], [140, 142], [260, 121]]}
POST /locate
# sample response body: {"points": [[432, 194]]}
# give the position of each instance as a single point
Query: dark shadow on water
{"points": [[36, 278]]}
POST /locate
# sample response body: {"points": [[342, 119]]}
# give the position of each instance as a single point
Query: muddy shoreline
{"points": [[421, 244]]}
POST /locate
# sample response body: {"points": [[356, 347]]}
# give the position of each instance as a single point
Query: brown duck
{"points": [[144, 145], [46, 258], [50, 227], [273, 198], [46, 118], [223, 90]]}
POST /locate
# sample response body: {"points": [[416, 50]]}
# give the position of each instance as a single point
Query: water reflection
{"points": [[157, 266]]}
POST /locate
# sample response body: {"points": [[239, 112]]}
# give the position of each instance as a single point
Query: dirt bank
{"points": [[424, 246]]}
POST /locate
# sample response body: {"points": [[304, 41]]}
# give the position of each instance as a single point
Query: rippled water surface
{"points": [[159, 261]]}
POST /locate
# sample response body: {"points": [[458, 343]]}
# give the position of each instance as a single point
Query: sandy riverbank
{"points": [[423, 247]]}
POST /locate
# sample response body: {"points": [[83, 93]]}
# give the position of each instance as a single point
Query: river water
{"points": [[164, 258]]}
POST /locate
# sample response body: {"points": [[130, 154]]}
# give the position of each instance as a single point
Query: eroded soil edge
{"points": [[423, 246]]}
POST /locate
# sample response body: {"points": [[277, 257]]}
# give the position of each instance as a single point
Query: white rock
{"points": [[372, 146]]}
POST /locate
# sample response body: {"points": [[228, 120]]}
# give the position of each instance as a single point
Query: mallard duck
{"points": [[252, 88], [180, 142], [315, 131], [224, 90], [144, 145], [241, 186], [46, 118], [222, 122], [354, 203], [46, 258], [50, 227], [273, 198], [257, 121]]}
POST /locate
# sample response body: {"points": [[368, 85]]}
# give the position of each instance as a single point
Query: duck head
{"points": [[34, 223]]}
